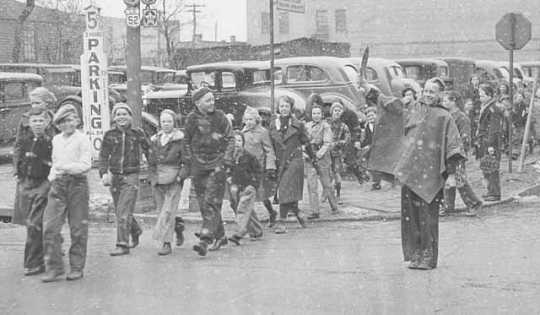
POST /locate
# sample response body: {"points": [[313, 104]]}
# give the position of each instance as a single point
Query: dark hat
{"points": [[64, 112], [199, 93], [121, 106]]}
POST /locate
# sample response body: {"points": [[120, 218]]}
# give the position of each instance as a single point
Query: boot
{"points": [[34, 271], [179, 231], [74, 275], [280, 228], [120, 251], [218, 243], [272, 214], [201, 248], [165, 249], [52, 275], [301, 220], [135, 239]]}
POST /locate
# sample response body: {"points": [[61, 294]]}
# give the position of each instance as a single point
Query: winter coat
{"points": [[258, 143], [464, 127], [170, 154], [208, 139], [246, 170], [490, 128], [341, 137], [431, 151], [121, 151], [288, 148], [388, 134]]}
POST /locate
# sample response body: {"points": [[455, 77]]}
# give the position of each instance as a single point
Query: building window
{"points": [[321, 24], [341, 21], [29, 45], [265, 23], [284, 22]]}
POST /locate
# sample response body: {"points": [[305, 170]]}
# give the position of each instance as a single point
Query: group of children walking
{"points": [[53, 157]]}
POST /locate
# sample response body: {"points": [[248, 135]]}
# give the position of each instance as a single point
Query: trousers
{"points": [[68, 197], [210, 189], [420, 226], [313, 186], [493, 183], [243, 202], [124, 189], [167, 198], [463, 187]]}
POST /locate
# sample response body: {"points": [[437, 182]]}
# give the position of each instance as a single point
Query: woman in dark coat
{"points": [[288, 136], [489, 135]]}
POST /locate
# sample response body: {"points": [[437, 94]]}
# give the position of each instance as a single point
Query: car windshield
{"points": [[164, 77], [200, 79], [60, 78], [180, 79], [414, 72], [147, 77], [396, 72], [443, 71]]}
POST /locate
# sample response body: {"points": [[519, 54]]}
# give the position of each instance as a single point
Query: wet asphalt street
{"points": [[488, 265]]}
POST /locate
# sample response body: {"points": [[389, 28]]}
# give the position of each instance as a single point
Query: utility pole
{"points": [[194, 8], [272, 57], [133, 60]]}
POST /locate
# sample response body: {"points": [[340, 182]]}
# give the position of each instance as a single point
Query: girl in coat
{"points": [[258, 143], [167, 178], [288, 136]]}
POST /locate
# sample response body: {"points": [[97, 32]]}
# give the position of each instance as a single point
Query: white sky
{"points": [[230, 16]]}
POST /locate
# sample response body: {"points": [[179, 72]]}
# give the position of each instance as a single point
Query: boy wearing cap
{"points": [[209, 146], [119, 167], [68, 196]]}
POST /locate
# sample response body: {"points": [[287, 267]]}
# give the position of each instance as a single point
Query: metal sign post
{"points": [[272, 83], [133, 59], [513, 31], [94, 81]]}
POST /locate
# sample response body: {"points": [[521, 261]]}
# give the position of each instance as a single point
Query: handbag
{"points": [[167, 174]]}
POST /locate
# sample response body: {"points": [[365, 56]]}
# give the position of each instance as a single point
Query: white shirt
{"points": [[70, 155]]}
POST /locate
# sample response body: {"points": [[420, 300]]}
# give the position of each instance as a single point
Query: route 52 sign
{"points": [[133, 18]]}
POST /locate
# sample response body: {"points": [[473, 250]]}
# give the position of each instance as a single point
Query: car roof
{"points": [[530, 63], [143, 68], [20, 76], [36, 65], [447, 59], [233, 65], [374, 61], [315, 60], [421, 61]]}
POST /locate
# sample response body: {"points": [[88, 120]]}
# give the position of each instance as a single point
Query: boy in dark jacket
{"points": [[244, 178], [119, 168], [32, 167]]}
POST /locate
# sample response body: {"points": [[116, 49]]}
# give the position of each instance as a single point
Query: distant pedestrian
{"points": [[320, 140], [259, 144], [32, 169], [489, 135], [244, 179], [209, 147], [68, 196], [369, 131], [341, 139], [452, 101], [167, 177], [119, 167], [288, 136]]}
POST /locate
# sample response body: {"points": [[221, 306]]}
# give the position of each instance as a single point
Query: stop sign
{"points": [[513, 31]]}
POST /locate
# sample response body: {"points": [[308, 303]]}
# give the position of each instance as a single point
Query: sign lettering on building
{"points": [[296, 6], [94, 82]]}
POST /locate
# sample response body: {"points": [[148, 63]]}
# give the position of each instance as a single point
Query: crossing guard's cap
{"points": [[199, 93]]}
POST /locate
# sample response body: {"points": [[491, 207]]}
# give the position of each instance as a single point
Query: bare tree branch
{"points": [[29, 7]]}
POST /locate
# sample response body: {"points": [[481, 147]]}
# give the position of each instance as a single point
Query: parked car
{"points": [[14, 101], [423, 69], [330, 77], [61, 80], [492, 72], [531, 68], [149, 75], [519, 74], [460, 71], [387, 75]]}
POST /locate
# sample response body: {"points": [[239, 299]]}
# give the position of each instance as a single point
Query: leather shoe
{"points": [[280, 229], [424, 265], [301, 220], [313, 216], [272, 219], [119, 251], [201, 248], [235, 239], [165, 249], [52, 275], [218, 244], [74, 275], [492, 198], [135, 239], [34, 271]]}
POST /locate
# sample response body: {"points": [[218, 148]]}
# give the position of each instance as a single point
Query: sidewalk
{"points": [[362, 204], [359, 202]]}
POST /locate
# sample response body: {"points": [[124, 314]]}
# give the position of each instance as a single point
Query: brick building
{"points": [[397, 28]]}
